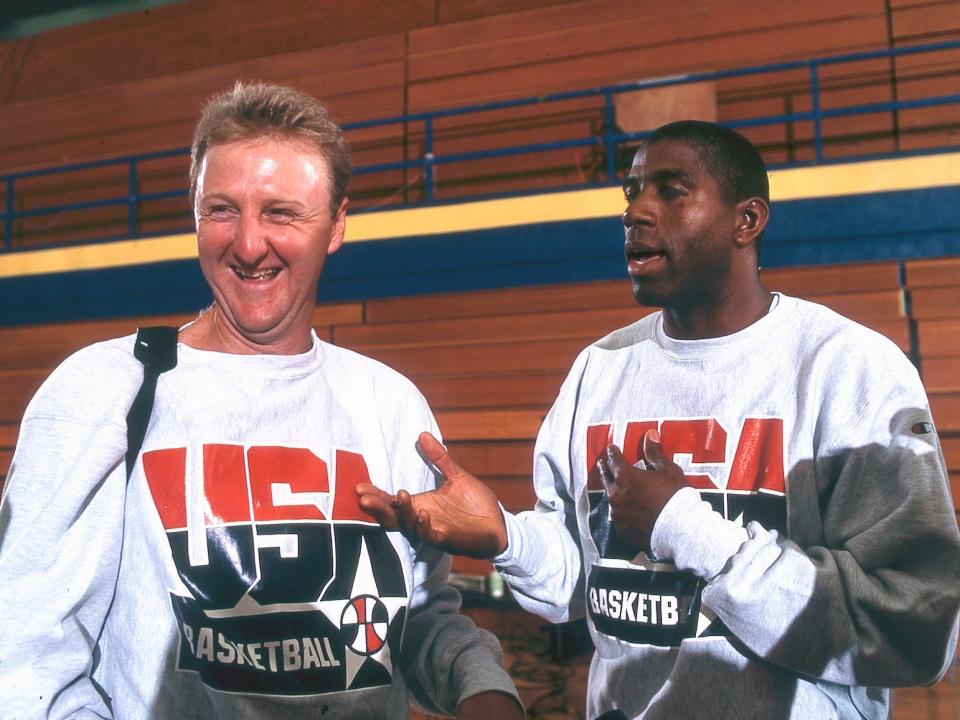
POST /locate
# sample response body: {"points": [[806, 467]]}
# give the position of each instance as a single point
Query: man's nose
{"points": [[251, 243], [639, 211]]}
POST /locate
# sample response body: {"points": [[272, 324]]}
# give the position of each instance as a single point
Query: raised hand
{"points": [[637, 495], [462, 516]]}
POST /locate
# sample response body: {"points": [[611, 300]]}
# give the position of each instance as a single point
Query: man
{"points": [[234, 575], [776, 538]]}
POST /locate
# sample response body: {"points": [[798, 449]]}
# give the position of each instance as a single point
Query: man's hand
{"points": [[461, 517], [487, 705], [636, 496]]}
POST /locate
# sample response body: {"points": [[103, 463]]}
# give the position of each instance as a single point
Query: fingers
{"points": [[435, 454], [378, 504], [610, 464], [615, 460], [406, 514], [419, 524], [368, 490], [652, 450]]}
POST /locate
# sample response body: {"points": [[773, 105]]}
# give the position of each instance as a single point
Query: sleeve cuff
{"points": [[479, 668], [694, 536], [511, 559]]}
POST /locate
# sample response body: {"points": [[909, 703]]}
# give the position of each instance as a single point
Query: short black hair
{"points": [[730, 158]]}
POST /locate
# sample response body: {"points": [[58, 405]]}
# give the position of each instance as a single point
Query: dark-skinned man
{"points": [[776, 537]]}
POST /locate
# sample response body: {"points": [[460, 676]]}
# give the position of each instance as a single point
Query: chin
{"points": [[647, 296]]}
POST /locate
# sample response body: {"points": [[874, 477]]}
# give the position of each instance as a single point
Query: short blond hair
{"points": [[262, 110]]}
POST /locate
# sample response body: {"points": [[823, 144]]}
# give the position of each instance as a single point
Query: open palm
{"points": [[462, 516]]}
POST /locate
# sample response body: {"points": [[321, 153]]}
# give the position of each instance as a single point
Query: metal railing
{"points": [[606, 141]]}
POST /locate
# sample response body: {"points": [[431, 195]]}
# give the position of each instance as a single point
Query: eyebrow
{"points": [[267, 202], [659, 176], [672, 174]]}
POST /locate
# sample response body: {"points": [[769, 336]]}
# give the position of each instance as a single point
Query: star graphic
{"points": [[364, 586]]}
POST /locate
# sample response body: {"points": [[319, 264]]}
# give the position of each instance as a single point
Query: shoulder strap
{"points": [[156, 348]]}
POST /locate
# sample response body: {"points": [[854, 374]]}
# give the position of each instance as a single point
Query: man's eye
{"points": [[219, 212], [279, 215], [630, 191], [672, 192]]}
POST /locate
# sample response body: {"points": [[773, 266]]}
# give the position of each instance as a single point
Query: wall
{"points": [[135, 83]]}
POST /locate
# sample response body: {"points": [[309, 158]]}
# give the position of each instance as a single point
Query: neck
{"points": [[718, 317], [212, 332]]}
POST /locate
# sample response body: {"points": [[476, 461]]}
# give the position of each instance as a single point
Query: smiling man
{"points": [[743, 492], [233, 573]]}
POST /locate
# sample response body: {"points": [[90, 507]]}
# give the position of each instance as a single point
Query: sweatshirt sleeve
{"points": [[61, 524], [445, 658], [873, 599], [542, 562]]}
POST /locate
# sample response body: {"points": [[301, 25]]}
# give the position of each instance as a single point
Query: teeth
{"points": [[262, 275]]}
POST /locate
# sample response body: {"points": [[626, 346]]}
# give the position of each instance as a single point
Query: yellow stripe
{"points": [[864, 178], [486, 214], [859, 178], [99, 255]]}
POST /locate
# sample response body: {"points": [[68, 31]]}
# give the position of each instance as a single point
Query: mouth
{"points": [[259, 276], [641, 261]]}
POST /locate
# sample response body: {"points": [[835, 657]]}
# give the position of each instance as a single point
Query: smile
{"points": [[262, 275]]}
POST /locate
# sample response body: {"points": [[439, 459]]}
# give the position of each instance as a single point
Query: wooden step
{"points": [[932, 272], [941, 374], [585, 324], [468, 425], [946, 411], [939, 337], [816, 280], [935, 302]]}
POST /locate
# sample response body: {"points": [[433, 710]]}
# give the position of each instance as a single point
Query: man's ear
{"points": [[339, 227], [752, 216]]}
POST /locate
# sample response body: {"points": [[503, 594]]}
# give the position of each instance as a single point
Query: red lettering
{"points": [[351, 470], [757, 463], [633, 439], [165, 471], [704, 439], [759, 459], [598, 437], [287, 483], [225, 485]]}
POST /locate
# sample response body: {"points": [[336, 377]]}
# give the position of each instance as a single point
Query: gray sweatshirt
{"points": [[814, 562], [235, 576]]}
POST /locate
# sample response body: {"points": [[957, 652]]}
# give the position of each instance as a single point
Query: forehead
{"points": [[668, 155], [268, 162]]}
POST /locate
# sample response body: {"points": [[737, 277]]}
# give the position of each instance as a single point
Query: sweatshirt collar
{"points": [[704, 348]]}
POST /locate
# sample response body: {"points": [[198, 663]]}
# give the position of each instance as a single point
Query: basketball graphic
{"points": [[364, 624]]}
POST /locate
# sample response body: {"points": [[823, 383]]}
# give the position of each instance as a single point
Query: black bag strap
{"points": [[156, 348]]}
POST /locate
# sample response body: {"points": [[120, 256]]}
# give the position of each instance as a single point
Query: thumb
{"points": [[653, 451], [615, 460], [434, 454]]}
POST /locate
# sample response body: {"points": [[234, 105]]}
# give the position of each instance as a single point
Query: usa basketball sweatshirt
{"points": [[814, 561], [235, 576]]}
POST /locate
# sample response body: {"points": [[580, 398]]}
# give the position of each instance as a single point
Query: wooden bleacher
{"points": [[934, 287], [491, 362], [97, 90]]}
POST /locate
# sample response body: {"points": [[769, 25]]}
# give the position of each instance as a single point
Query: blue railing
{"points": [[607, 140]]}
